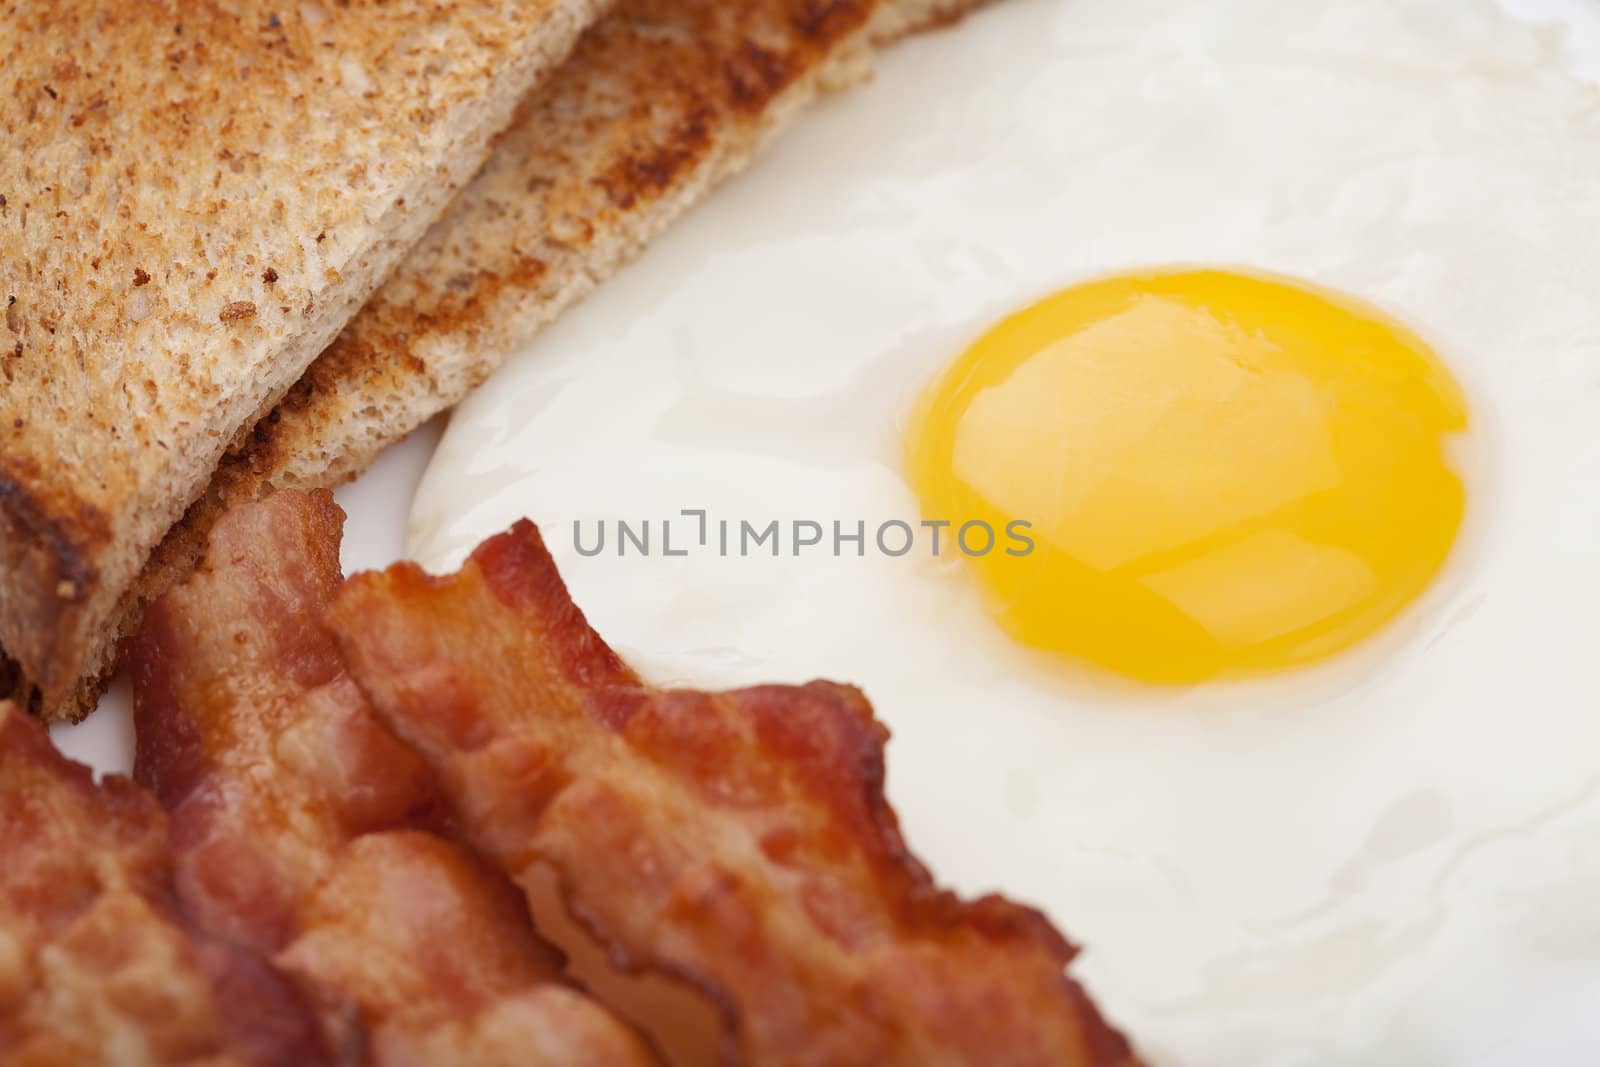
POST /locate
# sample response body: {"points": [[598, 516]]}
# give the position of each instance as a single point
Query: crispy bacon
{"points": [[96, 967], [291, 802], [442, 957], [738, 841], [248, 730]]}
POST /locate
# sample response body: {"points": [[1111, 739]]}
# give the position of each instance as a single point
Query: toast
{"points": [[194, 199], [660, 102]]}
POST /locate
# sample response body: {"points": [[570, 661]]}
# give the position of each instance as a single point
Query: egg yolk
{"points": [[1220, 473]]}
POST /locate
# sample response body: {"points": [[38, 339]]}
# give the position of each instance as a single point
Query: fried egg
{"points": [[1180, 421], [1224, 472]]}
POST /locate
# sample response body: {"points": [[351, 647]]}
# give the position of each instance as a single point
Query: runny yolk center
{"points": [[1221, 473]]}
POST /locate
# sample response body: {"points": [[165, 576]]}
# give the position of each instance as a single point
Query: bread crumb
{"points": [[239, 309], [269, 275], [139, 276]]}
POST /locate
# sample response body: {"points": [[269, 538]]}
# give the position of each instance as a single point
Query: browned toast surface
{"points": [[194, 197], [660, 101]]}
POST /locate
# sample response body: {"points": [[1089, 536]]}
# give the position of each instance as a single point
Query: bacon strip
{"points": [[95, 965], [291, 803], [442, 957], [248, 730], [739, 841]]}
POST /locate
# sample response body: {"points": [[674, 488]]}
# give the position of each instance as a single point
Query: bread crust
{"points": [[660, 102], [194, 198]]}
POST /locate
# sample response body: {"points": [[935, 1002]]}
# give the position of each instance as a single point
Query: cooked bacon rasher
{"points": [[439, 952], [739, 842], [96, 966], [302, 821], [264, 753]]}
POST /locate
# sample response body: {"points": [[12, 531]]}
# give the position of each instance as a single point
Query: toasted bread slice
{"points": [[661, 101], [194, 199]]}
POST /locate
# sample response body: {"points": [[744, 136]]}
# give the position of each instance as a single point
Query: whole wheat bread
{"points": [[661, 101], [194, 199]]}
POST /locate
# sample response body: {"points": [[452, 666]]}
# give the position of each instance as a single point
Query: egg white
{"points": [[1394, 859]]}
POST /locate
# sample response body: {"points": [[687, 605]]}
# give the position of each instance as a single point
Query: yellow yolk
{"points": [[1221, 473]]}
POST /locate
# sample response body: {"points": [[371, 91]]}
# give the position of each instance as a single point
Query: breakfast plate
{"points": [[1378, 854]]}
